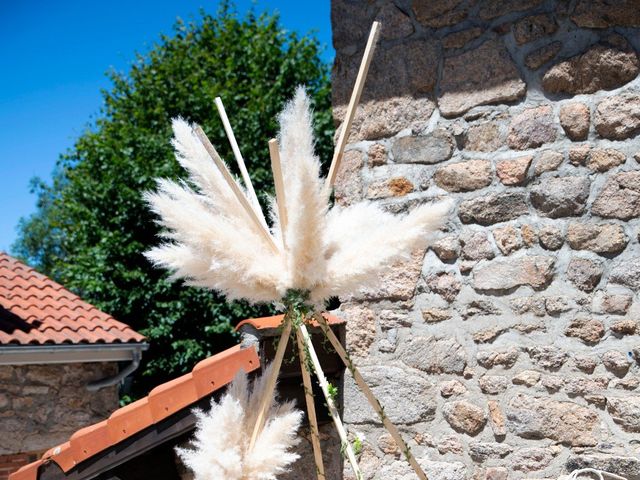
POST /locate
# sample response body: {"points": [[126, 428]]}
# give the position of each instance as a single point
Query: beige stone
{"points": [[620, 197], [616, 362], [362, 328], [603, 14], [452, 388], [618, 117], [445, 284], [578, 155], [597, 237], [447, 248], [547, 161], [475, 245], [435, 315], [617, 304], [497, 419], [539, 57], [485, 75], [625, 327], [484, 137], [603, 159], [377, 155], [503, 274], [534, 27], [551, 237], [588, 330], [393, 187], [575, 120], [599, 68], [513, 172], [493, 384], [625, 412], [508, 239], [493, 208], [348, 186], [528, 378], [465, 417], [464, 176], [499, 357]]}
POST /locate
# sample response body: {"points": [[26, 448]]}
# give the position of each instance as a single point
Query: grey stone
{"points": [[618, 117], [507, 239], [439, 14], [484, 137], [575, 119], [348, 186], [616, 362], [447, 248], [616, 304], [625, 412], [603, 159], [451, 388], [603, 14], [493, 208], [560, 196], [548, 160], [496, 8], [493, 384], [444, 284], [629, 467], [626, 272], [483, 451], [476, 246], [435, 355], [504, 274], [534, 27], [406, 397], [492, 358], [551, 237], [429, 149], [548, 356], [540, 417], [584, 273], [532, 128], [620, 197], [485, 75]]}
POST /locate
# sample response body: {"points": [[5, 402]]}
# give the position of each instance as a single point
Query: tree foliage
{"points": [[92, 226]]}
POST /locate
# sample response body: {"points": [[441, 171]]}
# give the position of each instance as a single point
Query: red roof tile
{"points": [[36, 310], [206, 377], [267, 323]]}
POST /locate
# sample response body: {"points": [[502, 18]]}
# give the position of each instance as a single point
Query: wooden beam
{"points": [[239, 160], [278, 181], [335, 415], [311, 406], [239, 194], [267, 398], [353, 105], [373, 401]]}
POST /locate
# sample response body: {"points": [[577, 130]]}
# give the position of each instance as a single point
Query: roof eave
{"points": [[83, 353]]}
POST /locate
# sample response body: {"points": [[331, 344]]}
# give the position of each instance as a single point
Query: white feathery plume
{"points": [[306, 201], [222, 436], [329, 252]]}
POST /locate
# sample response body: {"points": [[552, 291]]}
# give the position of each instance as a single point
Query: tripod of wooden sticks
{"points": [[307, 353]]}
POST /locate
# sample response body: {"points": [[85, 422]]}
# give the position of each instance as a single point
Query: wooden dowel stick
{"points": [[324, 385], [311, 407], [278, 180], [250, 211], [391, 428], [353, 105], [239, 160], [266, 400]]}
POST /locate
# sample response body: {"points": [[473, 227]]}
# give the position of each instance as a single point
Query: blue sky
{"points": [[53, 56]]}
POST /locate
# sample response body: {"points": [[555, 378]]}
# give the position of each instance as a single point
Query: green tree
{"points": [[92, 226]]}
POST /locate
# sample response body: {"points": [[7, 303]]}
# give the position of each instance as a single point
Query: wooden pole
{"points": [[278, 180], [324, 385], [391, 428], [266, 400], [250, 211], [311, 407], [239, 160], [353, 105]]}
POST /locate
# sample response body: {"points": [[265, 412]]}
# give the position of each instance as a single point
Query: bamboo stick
{"points": [[353, 105], [311, 407], [373, 401], [239, 160], [324, 385], [239, 194], [278, 180], [265, 403]]}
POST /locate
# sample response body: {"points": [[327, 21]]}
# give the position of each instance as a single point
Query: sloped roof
{"points": [[163, 401], [35, 310]]}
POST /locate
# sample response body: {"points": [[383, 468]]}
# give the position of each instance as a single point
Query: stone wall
{"points": [[43, 405], [511, 348]]}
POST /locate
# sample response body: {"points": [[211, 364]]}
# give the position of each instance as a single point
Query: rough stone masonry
{"points": [[511, 348]]}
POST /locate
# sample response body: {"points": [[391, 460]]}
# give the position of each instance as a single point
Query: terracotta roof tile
{"points": [[35, 310], [206, 377], [267, 323]]}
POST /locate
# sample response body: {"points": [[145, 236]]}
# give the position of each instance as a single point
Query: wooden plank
{"points": [[239, 194], [353, 105]]}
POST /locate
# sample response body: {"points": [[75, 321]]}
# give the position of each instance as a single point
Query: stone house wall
{"points": [[511, 348], [43, 405]]}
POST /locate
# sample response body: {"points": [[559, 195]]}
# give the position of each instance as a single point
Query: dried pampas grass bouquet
{"points": [[216, 236]]}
